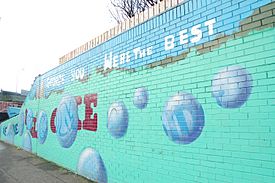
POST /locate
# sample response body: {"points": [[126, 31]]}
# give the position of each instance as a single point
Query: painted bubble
{"points": [[10, 133], [141, 98], [27, 142], [117, 119], [21, 121], [29, 119], [66, 121], [42, 127], [183, 118], [232, 86], [90, 165]]}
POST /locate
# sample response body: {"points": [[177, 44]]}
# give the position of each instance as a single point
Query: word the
{"points": [[114, 60]]}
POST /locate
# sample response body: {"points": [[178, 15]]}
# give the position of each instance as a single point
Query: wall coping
{"points": [[139, 18]]}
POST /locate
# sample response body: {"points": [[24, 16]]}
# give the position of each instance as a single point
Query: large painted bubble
{"points": [[42, 127], [183, 118], [66, 121], [10, 133], [117, 119], [27, 142], [232, 86], [141, 98], [29, 119], [90, 165], [21, 123]]}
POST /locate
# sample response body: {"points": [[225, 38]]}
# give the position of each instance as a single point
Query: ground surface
{"points": [[17, 165]]}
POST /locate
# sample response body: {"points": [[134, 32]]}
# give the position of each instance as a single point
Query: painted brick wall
{"points": [[186, 96]]}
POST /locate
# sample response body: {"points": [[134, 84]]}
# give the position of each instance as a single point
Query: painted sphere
{"points": [[90, 165], [42, 127], [141, 98], [21, 123], [10, 133], [117, 119], [183, 118], [29, 119], [27, 142], [232, 86], [66, 121]]}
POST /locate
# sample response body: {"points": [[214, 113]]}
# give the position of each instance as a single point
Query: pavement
{"points": [[17, 165]]}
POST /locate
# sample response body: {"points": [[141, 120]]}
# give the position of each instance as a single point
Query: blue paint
{"points": [[66, 121], [117, 119], [141, 98], [32, 93], [232, 86], [42, 127], [10, 133], [183, 118], [27, 142], [90, 165], [29, 119], [21, 123]]}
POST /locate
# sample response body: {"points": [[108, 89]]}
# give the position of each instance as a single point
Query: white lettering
{"points": [[210, 24], [169, 42], [55, 81], [195, 31], [183, 36], [115, 61], [136, 51], [108, 61]]}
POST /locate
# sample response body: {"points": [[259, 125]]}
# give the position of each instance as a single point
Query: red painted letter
{"points": [[33, 130], [90, 123], [52, 120]]}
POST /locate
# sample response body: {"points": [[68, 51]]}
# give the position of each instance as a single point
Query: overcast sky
{"points": [[34, 34]]}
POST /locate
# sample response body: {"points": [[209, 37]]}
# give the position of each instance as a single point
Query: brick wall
{"points": [[185, 96]]}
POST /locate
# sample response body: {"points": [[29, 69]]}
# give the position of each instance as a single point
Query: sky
{"points": [[34, 34]]}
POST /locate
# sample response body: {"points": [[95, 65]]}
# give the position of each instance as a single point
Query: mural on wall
{"points": [[117, 119], [66, 121], [178, 117], [27, 142], [10, 133], [33, 91], [141, 98], [183, 118], [232, 86], [29, 119], [90, 165], [42, 127], [21, 122]]}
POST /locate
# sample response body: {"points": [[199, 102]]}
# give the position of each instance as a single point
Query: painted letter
{"points": [[183, 36], [128, 57], [122, 58], [210, 24], [197, 33], [33, 130], [90, 123], [53, 128], [136, 51], [149, 50], [108, 62], [169, 42]]}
